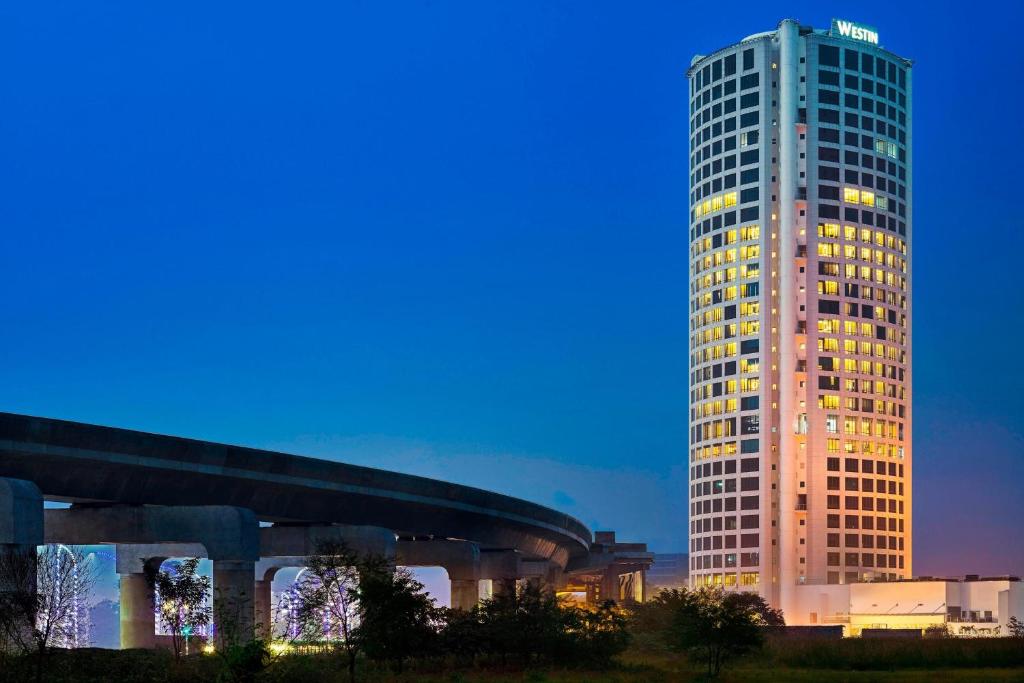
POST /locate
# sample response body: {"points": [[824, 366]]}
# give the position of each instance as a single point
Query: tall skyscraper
{"points": [[800, 364]]}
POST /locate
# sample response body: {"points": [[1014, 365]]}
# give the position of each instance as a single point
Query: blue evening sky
{"points": [[450, 238]]}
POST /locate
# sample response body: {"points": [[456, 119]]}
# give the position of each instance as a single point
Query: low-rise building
{"points": [[971, 606]]}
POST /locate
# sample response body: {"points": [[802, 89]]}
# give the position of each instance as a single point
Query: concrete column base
{"points": [[264, 610], [233, 601], [503, 586], [21, 530], [465, 594], [138, 618]]}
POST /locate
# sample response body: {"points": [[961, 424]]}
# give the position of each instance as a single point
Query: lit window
{"points": [[828, 230], [851, 195]]}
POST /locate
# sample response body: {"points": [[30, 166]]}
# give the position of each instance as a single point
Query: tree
{"points": [[598, 634], [399, 620], [1015, 627], [328, 605], [525, 623], [43, 594], [529, 625], [183, 596], [714, 626], [763, 613]]}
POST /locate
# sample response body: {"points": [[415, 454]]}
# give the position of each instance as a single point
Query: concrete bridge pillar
{"points": [[263, 608], [233, 600], [503, 568], [137, 565], [544, 573], [461, 559], [138, 618], [465, 593], [149, 534], [289, 545], [21, 530]]}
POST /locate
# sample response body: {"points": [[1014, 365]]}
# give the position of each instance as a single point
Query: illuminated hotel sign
{"points": [[848, 29]]}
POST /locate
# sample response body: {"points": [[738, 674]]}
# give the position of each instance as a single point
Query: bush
{"points": [[710, 625], [876, 654]]}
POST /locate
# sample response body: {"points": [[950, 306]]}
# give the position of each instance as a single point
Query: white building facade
{"points": [[799, 270]]}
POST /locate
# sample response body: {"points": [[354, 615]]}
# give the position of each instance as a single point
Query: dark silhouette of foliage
{"points": [[328, 601], [399, 620], [41, 595], [1015, 627], [711, 625], [184, 596]]}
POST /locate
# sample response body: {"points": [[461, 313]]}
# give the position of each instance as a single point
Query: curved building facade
{"points": [[800, 368]]}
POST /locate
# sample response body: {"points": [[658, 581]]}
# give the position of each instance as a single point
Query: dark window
{"points": [[748, 59], [730, 64], [828, 97], [850, 59], [828, 55], [828, 135], [748, 100], [828, 77], [828, 192], [828, 115], [749, 81], [828, 306], [828, 154]]}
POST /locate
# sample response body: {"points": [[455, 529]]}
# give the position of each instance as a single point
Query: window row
{"points": [[854, 60], [720, 68]]}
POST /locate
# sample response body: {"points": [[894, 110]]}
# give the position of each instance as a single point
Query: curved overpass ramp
{"points": [[81, 463]]}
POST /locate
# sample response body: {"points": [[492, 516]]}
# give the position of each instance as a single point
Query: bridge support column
{"points": [[138, 618], [264, 609], [503, 568], [21, 530], [137, 565], [233, 601], [227, 535], [545, 574], [461, 559], [465, 593]]}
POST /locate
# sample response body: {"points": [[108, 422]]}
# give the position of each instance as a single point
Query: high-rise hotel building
{"points": [[799, 298]]}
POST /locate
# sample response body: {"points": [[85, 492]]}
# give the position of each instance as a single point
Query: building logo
{"points": [[848, 29]]}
